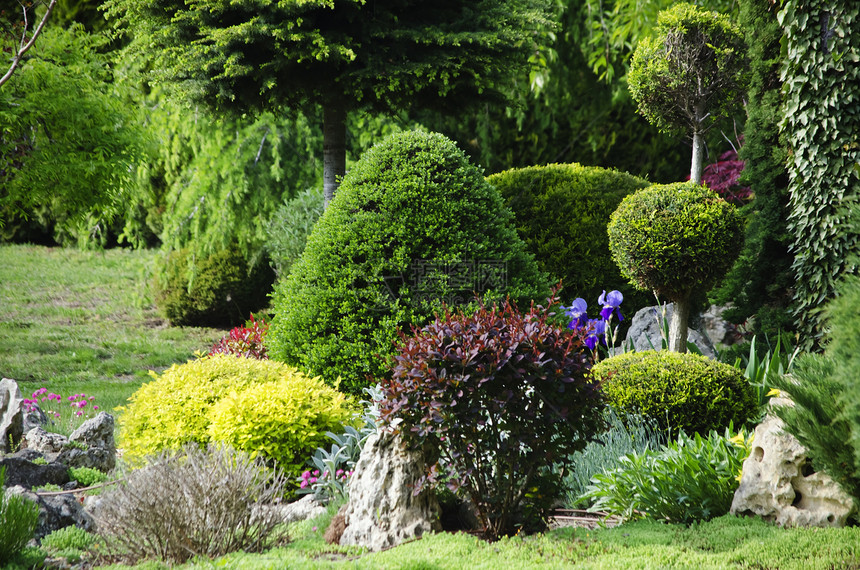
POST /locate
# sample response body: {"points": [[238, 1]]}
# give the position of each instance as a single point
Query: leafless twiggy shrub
{"points": [[193, 503]]}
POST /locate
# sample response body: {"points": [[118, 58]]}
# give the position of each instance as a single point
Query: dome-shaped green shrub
{"points": [[679, 391], [207, 400], [223, 289], [561, 212], [675, 239], [413, 225]]}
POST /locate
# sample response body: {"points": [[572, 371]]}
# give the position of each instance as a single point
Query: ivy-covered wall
{"points": [[821, 110], [761, 284]]}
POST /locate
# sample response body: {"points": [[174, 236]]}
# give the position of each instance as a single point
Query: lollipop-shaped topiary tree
{"points": [[689, 74], [675, 239]]}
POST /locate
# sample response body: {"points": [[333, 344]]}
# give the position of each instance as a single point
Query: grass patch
{"points": [[84, 321], [725, 542]]}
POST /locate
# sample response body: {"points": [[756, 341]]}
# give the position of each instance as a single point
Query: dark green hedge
{"points": [[413, 225], [561, 213], [219, 291]]}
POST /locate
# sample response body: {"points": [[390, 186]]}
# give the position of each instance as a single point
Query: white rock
{"points": [[778, 486], [11, 415], [382, 511]]}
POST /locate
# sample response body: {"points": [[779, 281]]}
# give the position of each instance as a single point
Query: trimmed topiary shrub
{"points": [[501, 397], [561, 212], [686, 392], [184, 404], [285, 420], [222, 289], [675, 239], [413, 226]]}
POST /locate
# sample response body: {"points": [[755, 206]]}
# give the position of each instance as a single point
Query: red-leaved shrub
{"points": [[244, 341], [502, 397]]}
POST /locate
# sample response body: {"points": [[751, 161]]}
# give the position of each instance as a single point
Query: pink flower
{"points": [[95, 407]]}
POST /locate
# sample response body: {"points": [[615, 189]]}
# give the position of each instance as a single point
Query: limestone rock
{"points": [[777, 483], [11, 415], [715, 327], [305, 508], [97, 435], [45, 442], [382, 511], [645, 332]]}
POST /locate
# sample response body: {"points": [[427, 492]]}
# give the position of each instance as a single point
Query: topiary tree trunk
{"points": [[678, 330]]}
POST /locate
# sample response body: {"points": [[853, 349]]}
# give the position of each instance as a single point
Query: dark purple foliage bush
{"points": [[722, 177], [244, 341], [497, 398]]}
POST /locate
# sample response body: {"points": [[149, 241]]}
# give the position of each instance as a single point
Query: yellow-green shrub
{"points": [[285, 420], [686, 392], [177, 406]]}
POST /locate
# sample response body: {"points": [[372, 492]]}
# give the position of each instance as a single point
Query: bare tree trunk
{"points": [[334, 149], [678, 324], [698, 158]]}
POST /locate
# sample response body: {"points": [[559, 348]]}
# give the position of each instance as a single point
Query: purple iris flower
{"points": [[596, 333], [577, 313], [611, 302]]}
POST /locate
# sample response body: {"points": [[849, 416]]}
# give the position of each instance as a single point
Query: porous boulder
{"points": [[778, 483], [646, 332], [382, 511]]}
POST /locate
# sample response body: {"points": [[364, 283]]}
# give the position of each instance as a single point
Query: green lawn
{"points": [[726, 542], [84, 321]]}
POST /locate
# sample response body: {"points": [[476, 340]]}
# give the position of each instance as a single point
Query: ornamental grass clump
{"points": [[501, 396]]}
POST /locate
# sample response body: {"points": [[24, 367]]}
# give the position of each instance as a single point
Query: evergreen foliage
{"points": [[689, 74], [289, 228], [676, 240], [825, 417], [210, 182], [680, 392], [414, 225], [761, 282], [68, 143], [561, 212], [344, 56], [564, 115], [821, 124], [222, 288]]}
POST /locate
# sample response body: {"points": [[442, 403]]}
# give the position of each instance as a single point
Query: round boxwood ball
{"points": [[675, 238], [686, 392]]}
